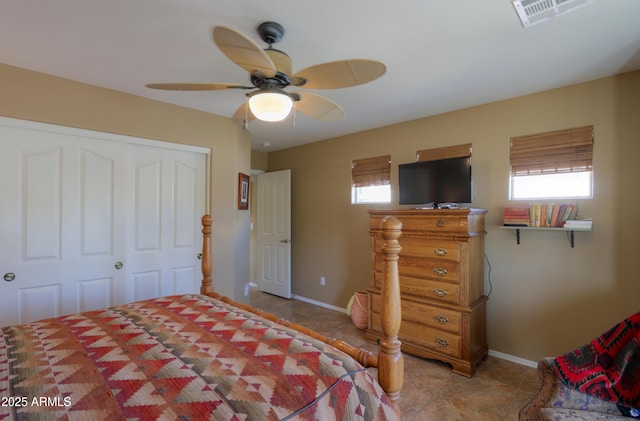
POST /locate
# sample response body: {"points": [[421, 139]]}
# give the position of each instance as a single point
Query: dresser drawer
{"points": [[420, 247], [426, 267], [434, 339], [431, 316], [418, 334], [430, 268], [437, 291], [435, 224]]}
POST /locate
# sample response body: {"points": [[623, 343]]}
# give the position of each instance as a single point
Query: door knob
{"points": [[284, 241], [199, 256], [9, 276], [119, 265]]}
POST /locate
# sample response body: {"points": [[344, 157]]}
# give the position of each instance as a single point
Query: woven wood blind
{"points": [[562, 151], [371, 171], [457, 151]]}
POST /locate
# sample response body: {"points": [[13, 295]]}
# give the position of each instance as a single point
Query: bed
{"points": [[199, 356]]}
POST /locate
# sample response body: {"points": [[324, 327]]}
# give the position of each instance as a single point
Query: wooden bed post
{"points": [[390, 361], [207, 281]]}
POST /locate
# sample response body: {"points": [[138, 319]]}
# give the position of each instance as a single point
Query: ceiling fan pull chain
{"points": [[245, 123]]}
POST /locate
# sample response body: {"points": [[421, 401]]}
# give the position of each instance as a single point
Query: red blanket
{"points": [[182, 357], [608, 367]]}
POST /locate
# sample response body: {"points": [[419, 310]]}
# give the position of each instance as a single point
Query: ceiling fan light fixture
{"points": [[270, 105]]}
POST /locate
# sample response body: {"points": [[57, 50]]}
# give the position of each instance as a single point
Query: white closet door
{"points": [[87, 223], [164, 237], [58, 245]]}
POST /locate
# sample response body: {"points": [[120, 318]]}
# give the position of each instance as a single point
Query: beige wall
{"points": [[39, 97], [546, 297]]}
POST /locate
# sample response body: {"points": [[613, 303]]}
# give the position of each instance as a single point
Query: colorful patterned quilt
{"points": [[187, 357], [608, 367]]}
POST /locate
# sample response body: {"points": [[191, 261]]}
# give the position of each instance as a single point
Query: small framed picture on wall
{"points": [[243, 191]]}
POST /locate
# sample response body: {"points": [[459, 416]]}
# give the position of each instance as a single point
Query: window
{"points": [[552, 165], [371, 180]]}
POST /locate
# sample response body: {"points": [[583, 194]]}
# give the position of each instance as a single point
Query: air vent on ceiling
{"points": [[532, 12]]}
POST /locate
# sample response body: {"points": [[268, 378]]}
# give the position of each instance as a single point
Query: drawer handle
{"points": [[440, 271], [439, 292], [442, 342], [440, 252], [442, 319], [440, 223]]}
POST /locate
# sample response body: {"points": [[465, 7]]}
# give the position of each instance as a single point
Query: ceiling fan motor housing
{"points": [[270, 32]]}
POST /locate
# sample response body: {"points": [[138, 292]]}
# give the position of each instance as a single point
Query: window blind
{"points": [[371, 171], [457, 151], [561, 151]]}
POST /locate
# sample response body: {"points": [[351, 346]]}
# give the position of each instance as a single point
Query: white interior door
{"points": [[274, 233]]}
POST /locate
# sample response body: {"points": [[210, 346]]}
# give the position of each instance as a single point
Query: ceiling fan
{"points": [[270, 73]]}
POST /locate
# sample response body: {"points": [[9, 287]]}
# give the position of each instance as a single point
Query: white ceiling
{"points": [[441, 55]]}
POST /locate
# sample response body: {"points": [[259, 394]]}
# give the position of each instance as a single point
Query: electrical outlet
{"points": [[323, 281]]}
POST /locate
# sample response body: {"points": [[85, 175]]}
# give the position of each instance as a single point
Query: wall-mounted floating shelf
{"points": [[570, 230]]}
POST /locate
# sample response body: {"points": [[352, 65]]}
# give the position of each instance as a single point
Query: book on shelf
{"points": [[578, 223], [516, 216], [554, 216], [542, 215]]}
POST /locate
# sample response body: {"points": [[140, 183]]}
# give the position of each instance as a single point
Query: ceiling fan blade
{"points": [[243, 113], [341, 74], [196, 86], [243, 51], [318, 107]]}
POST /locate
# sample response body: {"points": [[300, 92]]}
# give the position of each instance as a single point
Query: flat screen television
{"points": [[443, 181]]}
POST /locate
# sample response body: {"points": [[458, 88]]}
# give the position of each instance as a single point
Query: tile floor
{"points": [[431, 391]]}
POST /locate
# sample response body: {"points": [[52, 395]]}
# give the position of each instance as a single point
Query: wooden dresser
{"points": [[441, 270]]}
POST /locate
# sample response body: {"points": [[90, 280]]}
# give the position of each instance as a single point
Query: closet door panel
{"points": [[40, 204], [97, 203], [147, 212]]}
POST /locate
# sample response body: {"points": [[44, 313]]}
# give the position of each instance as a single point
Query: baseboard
{"points": [[513, 358], [320, 304], [493, 353]]}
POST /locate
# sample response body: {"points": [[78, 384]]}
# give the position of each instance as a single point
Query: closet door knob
{"points": [[9, 276], [119, 265]]}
